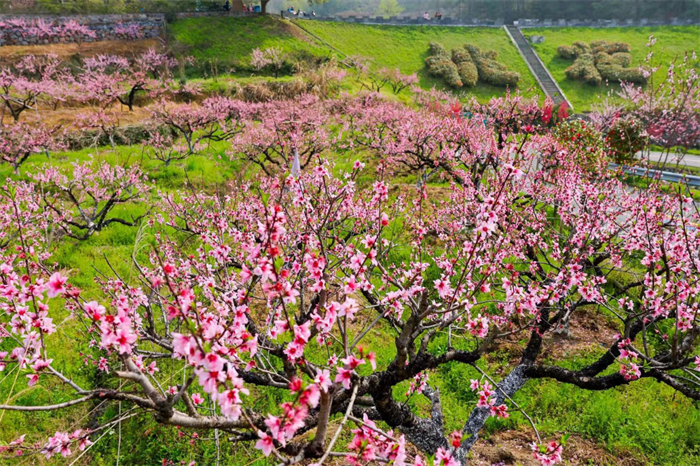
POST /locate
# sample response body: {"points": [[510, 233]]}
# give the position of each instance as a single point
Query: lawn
{"points": [[671, 44]]}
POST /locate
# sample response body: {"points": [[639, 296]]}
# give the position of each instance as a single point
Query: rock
{"points": [[536, 39]]}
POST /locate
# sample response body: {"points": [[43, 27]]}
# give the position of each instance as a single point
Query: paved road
{"points": [[689, 160]]}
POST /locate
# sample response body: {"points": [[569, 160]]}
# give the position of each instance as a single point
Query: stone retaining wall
{"points": [[105, 27]]}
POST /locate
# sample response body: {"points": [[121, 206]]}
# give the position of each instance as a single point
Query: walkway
{"points": [[545, 80], [689, 160]]}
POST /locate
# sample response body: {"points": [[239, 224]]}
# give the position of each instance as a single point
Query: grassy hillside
{"points": [[406, 47], [671, 43], [228, 42]]}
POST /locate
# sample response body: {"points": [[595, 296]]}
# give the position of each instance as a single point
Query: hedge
{"points": [[600, 60], [440, 65], [491, 71], [467, 65], [567, 52]]}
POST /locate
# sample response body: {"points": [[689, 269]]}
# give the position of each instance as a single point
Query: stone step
{"points": [[548, 85]]}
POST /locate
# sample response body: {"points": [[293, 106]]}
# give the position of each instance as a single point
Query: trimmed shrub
{"points": [[610, 67], [468, 72], [490, 54], [610, 47], [622, 58], [467, 65], [566, 52], [461, 56], [601, 60], [581, 48], [474, 51], [491, 71], [440, 64], [437, 48], [598, 43], [584, 69], [496, 74]]}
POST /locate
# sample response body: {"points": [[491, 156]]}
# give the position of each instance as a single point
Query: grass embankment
{"points": [[672, 43], [227, 43], [223, 44], [406, 47]]}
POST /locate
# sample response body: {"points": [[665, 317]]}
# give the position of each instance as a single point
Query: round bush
{"points": [[622, 58], [496, 74], [468, 73], [566, 52], [474, 51], [437, 48], [581, 48], [583, 142], [610, 47], [460, 55]]}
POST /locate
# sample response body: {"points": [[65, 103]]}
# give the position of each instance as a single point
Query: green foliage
{"points": [[611, 68], [388, 8], [609, 47], [468, 65], [601, 60], [566, 52]]}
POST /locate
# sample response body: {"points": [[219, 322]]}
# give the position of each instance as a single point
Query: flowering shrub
{"points": [[583, 142], [625, 138]]}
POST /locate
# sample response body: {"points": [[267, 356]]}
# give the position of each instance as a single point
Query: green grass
{"points": [[228, 49], [406, 47], [228, 42], [671, 44]]}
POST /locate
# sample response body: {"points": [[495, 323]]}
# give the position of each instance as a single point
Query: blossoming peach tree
{"points": [[331, 291]]}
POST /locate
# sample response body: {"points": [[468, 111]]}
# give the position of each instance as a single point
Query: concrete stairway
{"points": [[545, 80]]}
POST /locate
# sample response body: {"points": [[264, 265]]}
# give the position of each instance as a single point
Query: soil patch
{"points": [[13, 53], [512, 448]]}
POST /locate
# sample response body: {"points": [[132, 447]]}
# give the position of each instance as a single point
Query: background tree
{"points": [[389, 8]]}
